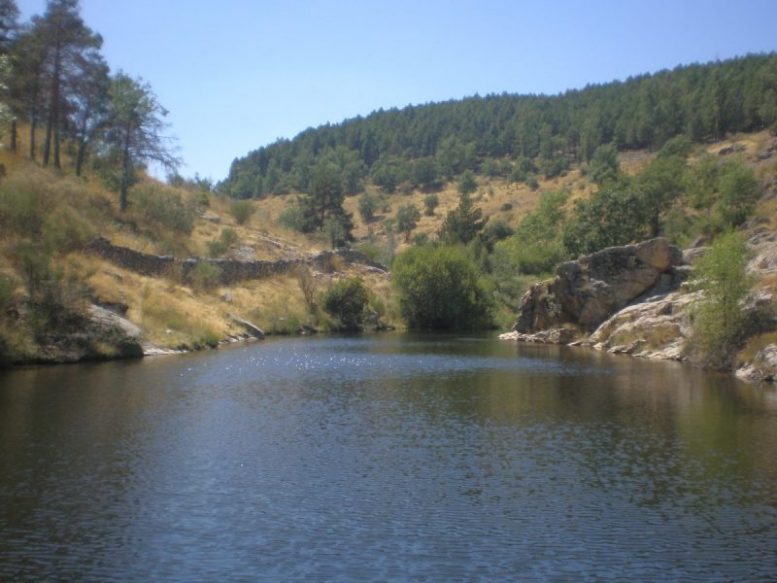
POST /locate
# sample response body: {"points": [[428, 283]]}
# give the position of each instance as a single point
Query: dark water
{"points": [[386, 458]]}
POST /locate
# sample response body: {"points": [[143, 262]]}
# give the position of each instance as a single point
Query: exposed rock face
{"points": [[657, 328], [552, 336], [588, 291], [96, 334], [763, 244], [252, 329]]}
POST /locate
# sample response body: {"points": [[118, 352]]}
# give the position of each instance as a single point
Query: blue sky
{"points": [[237, 74]]}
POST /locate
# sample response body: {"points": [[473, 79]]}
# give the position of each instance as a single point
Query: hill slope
{"points": [[496, 134]]}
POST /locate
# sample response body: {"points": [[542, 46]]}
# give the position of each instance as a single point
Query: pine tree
{"points": [[134, 134]]}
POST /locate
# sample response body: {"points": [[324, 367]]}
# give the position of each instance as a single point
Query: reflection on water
{"points": [[386, 457]]}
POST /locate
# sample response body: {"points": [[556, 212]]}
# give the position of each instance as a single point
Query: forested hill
{"points": [[519, 134]]}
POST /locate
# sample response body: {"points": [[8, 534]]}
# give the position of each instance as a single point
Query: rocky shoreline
{"points": [[635, 300]]}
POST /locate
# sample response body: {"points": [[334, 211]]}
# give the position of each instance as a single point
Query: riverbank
{"points": [[638, 300]]}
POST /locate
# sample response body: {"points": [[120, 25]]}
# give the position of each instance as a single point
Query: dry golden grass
{"points": [[492, 196], [172, 314]]}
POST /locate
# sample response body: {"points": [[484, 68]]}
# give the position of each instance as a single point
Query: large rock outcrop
{"points": [[587, 291], [92, 334], [658, 328]]}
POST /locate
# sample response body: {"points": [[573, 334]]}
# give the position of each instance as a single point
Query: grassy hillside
{"points": [[48, 218], [497, 133]]}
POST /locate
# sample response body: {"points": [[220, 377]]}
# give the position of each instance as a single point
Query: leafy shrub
{"points": [[536, 246], [241, 210], [219, 246], [440, 289], [431, 202], [739, 191], [292, 217], [228, 236], [164, 207], [719, 318], [54, 295], [346, 301]]}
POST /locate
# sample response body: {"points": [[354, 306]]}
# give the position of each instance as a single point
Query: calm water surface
{"points": [[386, 458]]}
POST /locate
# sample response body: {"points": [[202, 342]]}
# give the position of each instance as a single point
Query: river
{"points": [[386, 457]]}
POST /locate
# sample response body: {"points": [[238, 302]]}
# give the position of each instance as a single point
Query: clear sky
{"points": [[237, 74]]}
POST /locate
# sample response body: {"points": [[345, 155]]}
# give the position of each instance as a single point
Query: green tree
{"points": [[134, 135], [467, 183], [659, 186], [27, 91], [9, 15], [369, 203], [462, 224], [407, 218], [388, 173], [615, 215], [89, 104], [425, 172], [739, 192], [65, 40], [719, 319], [604, 164], [702, 183], [440, 289], [337, 229], [324, 202], [678, 147]]}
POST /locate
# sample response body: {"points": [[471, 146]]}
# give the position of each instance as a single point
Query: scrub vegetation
{"points": [[466, 202]]}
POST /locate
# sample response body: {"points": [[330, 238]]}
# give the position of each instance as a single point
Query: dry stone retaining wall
{"points": [[231, 270]]}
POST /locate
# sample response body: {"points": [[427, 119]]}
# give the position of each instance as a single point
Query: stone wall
{"points": [[151, 265], [231, 270]]}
